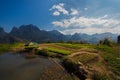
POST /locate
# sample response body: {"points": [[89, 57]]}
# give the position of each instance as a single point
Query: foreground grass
{"points": [[110, 55]]}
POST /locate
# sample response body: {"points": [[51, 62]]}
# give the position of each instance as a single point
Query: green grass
{"points": [[110, 55], [46, 53], [8, 47], [59, 51], [75, 46]]}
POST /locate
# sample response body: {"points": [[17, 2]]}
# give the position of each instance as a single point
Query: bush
{"points": [[106, 41]]}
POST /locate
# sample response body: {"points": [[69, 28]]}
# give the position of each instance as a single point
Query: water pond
{"points": [[16, 67]]}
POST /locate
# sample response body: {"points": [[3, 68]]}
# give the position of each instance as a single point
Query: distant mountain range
{"points": [[33, 33]]}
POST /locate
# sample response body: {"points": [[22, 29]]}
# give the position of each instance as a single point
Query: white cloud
{"points": [[85, 9], [74, 12], [56, 13], [60, 8], [105, 16], [87, 22], [94, 30], [89, 25]]}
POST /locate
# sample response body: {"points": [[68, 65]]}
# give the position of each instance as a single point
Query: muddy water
{"points": [[15, 67]]}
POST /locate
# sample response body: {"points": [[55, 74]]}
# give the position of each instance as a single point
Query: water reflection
{"points": [[15, 67]]}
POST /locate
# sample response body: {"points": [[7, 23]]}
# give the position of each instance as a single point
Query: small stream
{"points": [[16, 67]]}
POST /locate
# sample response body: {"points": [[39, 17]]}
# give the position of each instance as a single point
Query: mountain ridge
{"points": [[33, 33]]}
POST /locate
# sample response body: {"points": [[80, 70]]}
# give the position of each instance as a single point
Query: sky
{"points": [[66, 16]]}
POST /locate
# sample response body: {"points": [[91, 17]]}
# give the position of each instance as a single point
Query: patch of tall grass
{"points": [[59, 51]]}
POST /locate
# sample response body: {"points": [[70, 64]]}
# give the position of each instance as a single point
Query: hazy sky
{"points": [[67, 16]]}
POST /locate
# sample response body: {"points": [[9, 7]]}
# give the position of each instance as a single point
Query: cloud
{"points": [[59, 9], [74, 12], [85, 9], [56, 13], [89, 25], [94, 30], [86, 22], [105, 16]]}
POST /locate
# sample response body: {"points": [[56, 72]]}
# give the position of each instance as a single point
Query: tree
{"points": [[106, 41]]}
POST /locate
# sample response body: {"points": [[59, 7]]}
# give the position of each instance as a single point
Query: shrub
{"points": [[106, 41]]}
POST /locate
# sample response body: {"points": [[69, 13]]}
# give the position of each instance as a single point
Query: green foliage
{"points": [[59, 51], [106, 41]]}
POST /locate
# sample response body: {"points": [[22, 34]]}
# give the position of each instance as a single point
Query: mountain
{"points": [[7, 38], [33, 33], [95, 38], [2, 32], [26, 32]]}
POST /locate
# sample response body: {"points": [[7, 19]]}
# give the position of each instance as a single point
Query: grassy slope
{"points": [[110, 56]]}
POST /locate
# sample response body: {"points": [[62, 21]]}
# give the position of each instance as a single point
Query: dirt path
{"points": [[81, 52]]}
